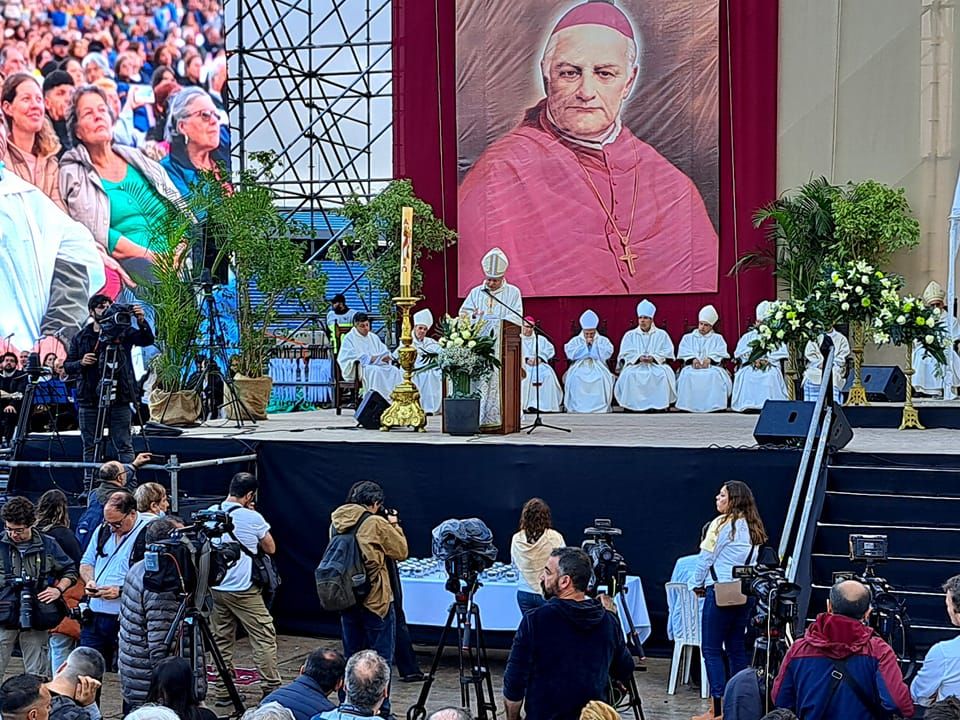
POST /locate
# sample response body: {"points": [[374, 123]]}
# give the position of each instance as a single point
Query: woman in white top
{"points": [[940, 675], [530, 549], [731, 540]]}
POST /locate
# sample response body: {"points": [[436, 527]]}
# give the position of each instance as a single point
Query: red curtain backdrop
{"points": [[425, 150]]}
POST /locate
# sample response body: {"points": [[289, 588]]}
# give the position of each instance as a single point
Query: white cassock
{"points": [[752, 387], [703, 389], [932, 378], [49, 267], [588, 382], [646, 386], [380, 376], [479, 304], [541, 374], [814, 371], [428, 382]]}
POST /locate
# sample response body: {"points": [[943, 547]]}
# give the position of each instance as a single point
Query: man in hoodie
{"points": [[566, 651], [372, 626], [840, 668]]}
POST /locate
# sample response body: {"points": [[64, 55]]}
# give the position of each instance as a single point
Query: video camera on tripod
{"points": [[609, 567], [466, 549], [115, 322]]}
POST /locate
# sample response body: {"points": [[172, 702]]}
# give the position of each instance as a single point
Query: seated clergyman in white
{"points": [[646, 382], [703, 385], [932, 377], [761, 380], [813, 375], [428, 382], [377, 371], [588, 382], [539, 387]]}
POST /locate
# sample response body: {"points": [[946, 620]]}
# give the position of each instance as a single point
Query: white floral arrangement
{"points": [[467, 352], [856, 292], [908, 320], [789, 322]]}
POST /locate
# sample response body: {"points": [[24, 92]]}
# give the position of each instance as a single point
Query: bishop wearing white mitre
{"points": [[761, 380], [482, 300], [932, 378], [703, 385], [377, 371], [813, 375], [428, 382], [539, 383], [588, 382], [646, 382]]}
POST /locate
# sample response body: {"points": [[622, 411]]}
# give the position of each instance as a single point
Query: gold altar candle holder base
{"points": [[857, 397], [405, 410], [910, 419]]}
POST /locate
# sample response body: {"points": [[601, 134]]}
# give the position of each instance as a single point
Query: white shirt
{"points": [[726, 554], [480, 304], [111, 567], [249, 527], [334, 319], [940, 675]]}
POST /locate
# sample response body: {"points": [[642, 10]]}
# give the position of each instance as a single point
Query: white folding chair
{"points": [[686, 636]]}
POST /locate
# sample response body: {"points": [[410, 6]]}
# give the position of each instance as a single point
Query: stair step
{"points": [[904, 574], [910, 542], [848, 508], [894, 480]]}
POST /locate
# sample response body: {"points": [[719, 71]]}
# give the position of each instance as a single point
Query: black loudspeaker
{"points": [[786, 422], [370, 409], [884, 383]]}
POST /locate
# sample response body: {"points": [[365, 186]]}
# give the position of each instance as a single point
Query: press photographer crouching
{"points": [[36, 574], [113, 331]]}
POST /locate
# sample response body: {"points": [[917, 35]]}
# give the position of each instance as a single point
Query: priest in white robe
{"points": [[646, 381], [931, 377], [377, 371], [813, 374], [703, 386], [588, 382], [428, 382], [539, 387], [761, 380]]}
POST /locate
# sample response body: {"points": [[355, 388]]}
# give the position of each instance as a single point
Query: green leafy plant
{"points": [[375, 233], [872, 222]]}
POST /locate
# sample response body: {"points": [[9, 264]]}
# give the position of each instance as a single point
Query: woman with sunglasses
{"points": [[199, 142]]}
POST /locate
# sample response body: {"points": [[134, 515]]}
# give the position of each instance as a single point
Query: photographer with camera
{"points": [[840, 668], [731, 540], [36, 573], [565, 652], [940, 675], [110, 325]]}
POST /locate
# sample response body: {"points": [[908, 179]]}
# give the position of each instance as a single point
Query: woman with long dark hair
{"points": [[529, 550], [732, 539], [172, 686]]}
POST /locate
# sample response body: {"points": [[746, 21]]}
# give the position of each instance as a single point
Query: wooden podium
{"points": [[508, 380]]}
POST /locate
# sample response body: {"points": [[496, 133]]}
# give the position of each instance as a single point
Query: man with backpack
{"points": [[371, 623], [113, 476]]}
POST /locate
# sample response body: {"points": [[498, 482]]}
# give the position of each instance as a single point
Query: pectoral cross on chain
{"points": [[628, 257]]}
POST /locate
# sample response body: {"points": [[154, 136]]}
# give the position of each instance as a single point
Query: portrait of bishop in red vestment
{"points": [[578, 203]]}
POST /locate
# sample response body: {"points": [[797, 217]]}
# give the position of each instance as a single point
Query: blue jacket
{"points": [[182, 172], [804, 682], [303, 697]]}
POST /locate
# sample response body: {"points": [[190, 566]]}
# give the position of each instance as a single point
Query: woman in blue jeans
{"points": [[731, 539], [530, 549]]}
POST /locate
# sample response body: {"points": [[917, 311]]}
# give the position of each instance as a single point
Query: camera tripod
{"points": [[632, 700], [472, 652]]}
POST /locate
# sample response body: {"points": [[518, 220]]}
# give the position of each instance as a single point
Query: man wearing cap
{"points": [[377, 371], [646, 382], [588, 382], [571, 187], [703, 385], [428, 382], [539, 387], [930, 377], [58, 90], [482, 300], [761, 380]]}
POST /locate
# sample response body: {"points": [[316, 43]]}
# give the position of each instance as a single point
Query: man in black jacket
{"points": [[564, 652], [86, 361], [74, 688], [13, 381]]}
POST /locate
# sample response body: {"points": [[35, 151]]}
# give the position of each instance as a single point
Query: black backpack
{"points": [[341, 576], [91, 519]]}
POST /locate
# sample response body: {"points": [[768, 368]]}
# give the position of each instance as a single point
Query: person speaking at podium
{"points": [[495, 299]]}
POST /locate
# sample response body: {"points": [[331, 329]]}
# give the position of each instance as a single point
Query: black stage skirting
{"points": [[889, 416]]}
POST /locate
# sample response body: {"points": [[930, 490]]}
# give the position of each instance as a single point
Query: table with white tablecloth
{"points": [[427, 602]]}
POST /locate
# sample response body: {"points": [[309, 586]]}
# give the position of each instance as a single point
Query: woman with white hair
{"points": [[199, 141]]}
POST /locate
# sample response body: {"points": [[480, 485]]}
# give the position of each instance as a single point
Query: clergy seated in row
{"points": [[588, 382], [539, 387], [932, 377], [813, 374], [704, 385], [646, 381], [755, 383], [428, 382], [362, 351]]}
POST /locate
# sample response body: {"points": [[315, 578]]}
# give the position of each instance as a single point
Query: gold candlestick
{"points": [[910, 417], [858, 393], [405, 409]]}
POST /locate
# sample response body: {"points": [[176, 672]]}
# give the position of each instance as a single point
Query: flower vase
{"points": [[461, 413], [910, 418], [858, 393]]}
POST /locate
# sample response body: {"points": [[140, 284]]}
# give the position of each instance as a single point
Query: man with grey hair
{"points": [[367, 683], [571, 187], [450, 713], [268, 711], [74, 688]]}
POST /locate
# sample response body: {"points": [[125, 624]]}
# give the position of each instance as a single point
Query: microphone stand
{"points": [[537, 332]]}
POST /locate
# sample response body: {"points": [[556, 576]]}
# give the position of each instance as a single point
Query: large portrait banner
{"points": [[588, 144]]}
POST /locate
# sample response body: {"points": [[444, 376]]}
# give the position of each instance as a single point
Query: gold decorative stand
{"points": [[405, 410], [858, 393], [911, 418]]}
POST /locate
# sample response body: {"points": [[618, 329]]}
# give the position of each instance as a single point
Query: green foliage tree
{"points": [[872, 222]]}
